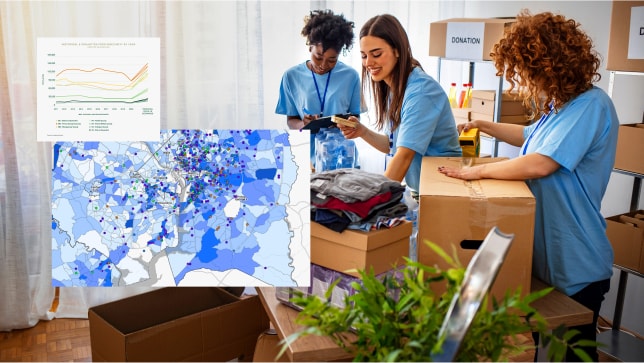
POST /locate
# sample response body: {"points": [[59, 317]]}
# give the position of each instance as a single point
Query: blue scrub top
{"points": [[427, 124], [571, 249], [298, 92]]}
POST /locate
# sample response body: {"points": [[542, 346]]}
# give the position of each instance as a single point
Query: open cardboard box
{"points": [[457, 215], [382, 249], [177, 324]]}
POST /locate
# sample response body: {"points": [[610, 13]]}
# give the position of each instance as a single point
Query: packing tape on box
{"points": [[478, 205]]}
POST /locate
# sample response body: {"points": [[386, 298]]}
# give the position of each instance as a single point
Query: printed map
{"points": [[197, 208]]}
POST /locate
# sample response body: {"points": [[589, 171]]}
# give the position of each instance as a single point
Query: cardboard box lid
{"points": [[434, 183], [366, 241]]}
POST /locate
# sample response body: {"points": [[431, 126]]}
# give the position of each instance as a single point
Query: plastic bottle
{"points": [[467, 102], [452, 95], [461, 98]]}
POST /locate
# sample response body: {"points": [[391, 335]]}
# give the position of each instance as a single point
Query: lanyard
{"points": [[322, 99], [391, 138], [543, 118]]}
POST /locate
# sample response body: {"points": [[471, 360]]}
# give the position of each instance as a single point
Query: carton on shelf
{"points": [[625, 38], [483, 102], [382, 249], [461, 115], [509, 119], [628, 156], [457, 215], [626, 235], [466, 38], [177, 324]]}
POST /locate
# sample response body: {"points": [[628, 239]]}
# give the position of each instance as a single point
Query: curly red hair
{"points": [[548, 58]]}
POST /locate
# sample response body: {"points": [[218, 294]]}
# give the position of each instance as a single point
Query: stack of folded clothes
{"points": [[356, 199]]}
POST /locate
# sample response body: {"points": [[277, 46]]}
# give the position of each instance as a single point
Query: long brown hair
{"points": [[389, 101], [548, 58]]}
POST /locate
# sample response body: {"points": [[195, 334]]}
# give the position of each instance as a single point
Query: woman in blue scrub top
{"points": [[566, 156], [410, 106], [322, 85]]}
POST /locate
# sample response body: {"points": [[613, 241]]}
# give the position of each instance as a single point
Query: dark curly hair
{"points": [[548, 58], [331, 30]]}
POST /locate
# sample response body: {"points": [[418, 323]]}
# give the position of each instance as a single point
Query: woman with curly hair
{"points": [[322, 85], [566, 157], [410, 106]]}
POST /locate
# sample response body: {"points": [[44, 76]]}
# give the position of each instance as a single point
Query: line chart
{"points": [[98, 89]]}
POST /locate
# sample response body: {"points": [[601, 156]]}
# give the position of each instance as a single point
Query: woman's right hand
{"points": [[466, 126], [353, 132]]}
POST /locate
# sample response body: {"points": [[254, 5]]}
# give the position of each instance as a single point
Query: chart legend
{"points": [[98, 89]]}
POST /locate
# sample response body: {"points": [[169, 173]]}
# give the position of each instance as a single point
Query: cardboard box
{"points": [[321, 280], [466, 38], [509, 119], [177, 324], [628, 156], [625, 41], [626, 235], [381, 250], [461, 115], [268, 347], [457, 215], [483, 102]]}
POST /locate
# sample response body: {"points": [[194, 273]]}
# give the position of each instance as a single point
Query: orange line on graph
{"points": [[143, 69]]}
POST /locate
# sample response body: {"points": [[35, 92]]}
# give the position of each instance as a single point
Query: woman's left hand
{"points": [[465, 173]]}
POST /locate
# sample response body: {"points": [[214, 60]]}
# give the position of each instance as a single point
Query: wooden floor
{"points": [[58, 340], [68, 340]]}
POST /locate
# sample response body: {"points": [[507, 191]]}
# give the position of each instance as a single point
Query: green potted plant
{"points": [[398, 317]]}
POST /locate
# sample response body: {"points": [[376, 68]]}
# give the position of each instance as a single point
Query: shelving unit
{"points": [[497, 99], [616, 343]]}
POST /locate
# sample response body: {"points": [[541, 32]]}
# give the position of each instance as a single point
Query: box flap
{"points": [[106, 342], [434, 183]]}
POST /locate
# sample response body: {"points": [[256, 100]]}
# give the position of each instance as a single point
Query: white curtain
{"points": [[221, 66]]}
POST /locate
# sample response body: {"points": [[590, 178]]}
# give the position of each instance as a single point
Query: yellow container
{"points": [[470, 142]]}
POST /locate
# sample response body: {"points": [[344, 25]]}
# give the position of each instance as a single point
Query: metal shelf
{"points": [[497, 99], [616, 343]]}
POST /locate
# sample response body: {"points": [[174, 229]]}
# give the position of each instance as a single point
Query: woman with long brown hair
{"points": [[410, 106]]}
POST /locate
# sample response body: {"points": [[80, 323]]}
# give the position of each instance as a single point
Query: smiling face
{"points": [[321, 61], [378, 57]]}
